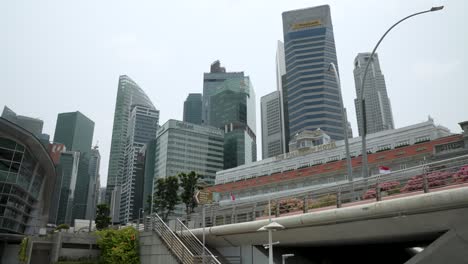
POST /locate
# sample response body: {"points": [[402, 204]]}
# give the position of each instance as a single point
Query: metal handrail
{"points": [[346, 184], [172, 240], [198, 243], [345, 192]]}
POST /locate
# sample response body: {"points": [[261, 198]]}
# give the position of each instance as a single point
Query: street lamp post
{"points": [[272, 226], [345, 123], [365, 172]]}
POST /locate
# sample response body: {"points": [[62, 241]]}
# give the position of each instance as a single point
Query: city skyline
{"points": [[444, 65]]}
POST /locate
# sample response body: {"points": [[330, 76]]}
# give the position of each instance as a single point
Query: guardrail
{"points": [[194, 244], [175, 245], [449, 173]]}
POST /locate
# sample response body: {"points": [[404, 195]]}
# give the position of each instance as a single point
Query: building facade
{"points": [[193, 109], [211, 81], [27, 176], [332, 151], [272, 125], [33, 125], [377, 104], [128, 94], [75, 131], [313, 98], [184, 147], [283, 95], [142, 128], [67, 174], [94, 183], [321, 166], [229, 104]]}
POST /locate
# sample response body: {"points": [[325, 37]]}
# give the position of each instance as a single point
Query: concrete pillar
{"points": [[451, 247]]}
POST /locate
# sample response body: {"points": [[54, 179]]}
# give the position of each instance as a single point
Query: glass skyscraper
{"points": [[229, 104], [142, 128], [75, 131], [378, 109], [67, 173], [313, 98], [193, 109], [128, 94]]}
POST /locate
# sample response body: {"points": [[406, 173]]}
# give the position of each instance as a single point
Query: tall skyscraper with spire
{"points": [[313, 99], [378, 109], [129, 94]]}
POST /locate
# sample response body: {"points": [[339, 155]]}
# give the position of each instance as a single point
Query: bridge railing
{"points": [[450, 173]]}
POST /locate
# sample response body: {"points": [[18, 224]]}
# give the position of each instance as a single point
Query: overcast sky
{"points": [[63, 56]]}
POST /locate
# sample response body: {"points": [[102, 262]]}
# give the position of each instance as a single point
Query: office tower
{"points": [[150, 157], [211, 81], [75, 131], [142, 127], [230, 105], [272, 136], [193, 109], [102, 195], [350, 130], [33, 125], [313, 98], [377, 104], [94, 178], [128, 94], [67, 174], [281, 88], [202, 150]]}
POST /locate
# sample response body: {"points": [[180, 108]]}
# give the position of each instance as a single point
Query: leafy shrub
{"points": [[62, 226], [324, 201], [118, 246], [23, 252]]}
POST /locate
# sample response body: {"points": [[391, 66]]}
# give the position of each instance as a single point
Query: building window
{"points": [[402, 143], [422, 139], [384, 147]]}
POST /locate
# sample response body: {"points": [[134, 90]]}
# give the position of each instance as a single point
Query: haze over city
{"points": [[61, 56]]}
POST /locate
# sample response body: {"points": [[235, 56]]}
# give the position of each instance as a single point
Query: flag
{"points": [[384, 170], [233, 198]]}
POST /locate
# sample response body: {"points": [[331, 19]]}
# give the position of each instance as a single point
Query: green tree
{"points": [[102, 216], [118, 246], [166, 196], [189, 184]]}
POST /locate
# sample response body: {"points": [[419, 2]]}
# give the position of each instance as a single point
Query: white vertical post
{"points": [[270, 247], [203, 224]]}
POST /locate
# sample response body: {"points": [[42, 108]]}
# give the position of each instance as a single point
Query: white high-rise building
{"points": [[378, 109], [142, 127], [272, 136], [128, 95]]}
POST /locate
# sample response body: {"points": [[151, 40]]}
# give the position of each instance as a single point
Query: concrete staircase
{"points": [[154, 250]]}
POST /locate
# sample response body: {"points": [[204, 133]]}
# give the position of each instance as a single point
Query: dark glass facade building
{"points": [[27, 176], [75, 131], [313, 99], [229, 104], [193, 109]]}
